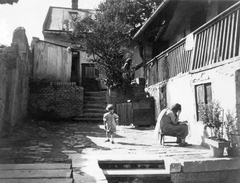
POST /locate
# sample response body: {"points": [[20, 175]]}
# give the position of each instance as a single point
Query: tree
{"points": [[106, 36]]}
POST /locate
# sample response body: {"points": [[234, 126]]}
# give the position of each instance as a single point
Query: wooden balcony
{"points": [[214, 44]]}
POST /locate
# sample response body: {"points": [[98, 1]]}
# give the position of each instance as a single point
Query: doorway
{"points": [[89, 77], [75, 70]]}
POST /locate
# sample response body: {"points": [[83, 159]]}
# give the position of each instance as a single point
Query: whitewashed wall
{"points": [[181, 89]]}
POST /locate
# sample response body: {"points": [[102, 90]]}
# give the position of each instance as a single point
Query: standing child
{"points": [[110, 121]]}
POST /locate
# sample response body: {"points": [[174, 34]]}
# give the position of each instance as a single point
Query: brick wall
{"points": [[55, 100]]}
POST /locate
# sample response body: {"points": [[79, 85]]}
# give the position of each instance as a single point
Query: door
{"points": [[124, 111], [75, 70], [143, 111], [89, 75], [163, 97]]}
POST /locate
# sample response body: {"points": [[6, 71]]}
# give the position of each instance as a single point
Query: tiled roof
{"points": [[8, 1]]}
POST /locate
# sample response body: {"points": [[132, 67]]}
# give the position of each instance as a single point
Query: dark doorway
{"points": [[89, 75], [75, 71]]}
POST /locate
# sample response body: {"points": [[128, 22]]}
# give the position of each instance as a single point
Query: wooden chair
{"points": [[162, 138]]}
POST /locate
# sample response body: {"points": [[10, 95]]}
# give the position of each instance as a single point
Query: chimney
{"points": [[74, 4]]}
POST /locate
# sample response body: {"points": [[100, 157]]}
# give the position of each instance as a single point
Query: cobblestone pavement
{"points": [[44, 141]]}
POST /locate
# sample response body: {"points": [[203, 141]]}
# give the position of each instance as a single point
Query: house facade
{"points": [[54, 57], [191, 55]]}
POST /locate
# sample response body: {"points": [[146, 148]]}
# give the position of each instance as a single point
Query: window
{"points": [[203, 93], [74, 15]]}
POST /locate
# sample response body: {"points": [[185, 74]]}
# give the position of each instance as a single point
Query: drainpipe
{"points": [[160, 7]]}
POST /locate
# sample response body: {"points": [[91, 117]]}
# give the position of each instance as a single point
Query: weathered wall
{"points": [[212, 10], [14, 76], [58, 100], [211, 170], [137, 59], [51, 62], [181, 89]]}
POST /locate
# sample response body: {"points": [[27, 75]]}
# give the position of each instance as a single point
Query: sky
{"points": [[31, 14]]}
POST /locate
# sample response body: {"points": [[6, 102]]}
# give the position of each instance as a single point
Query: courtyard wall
{"points": [[15, 64]]}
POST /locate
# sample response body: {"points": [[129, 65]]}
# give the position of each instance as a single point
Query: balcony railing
{"points": [[215, 42]]}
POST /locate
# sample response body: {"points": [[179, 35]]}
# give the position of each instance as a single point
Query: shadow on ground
{"points": [[48, 141], [132, 144]]}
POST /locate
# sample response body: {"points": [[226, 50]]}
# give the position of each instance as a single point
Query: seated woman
{"points": [[168, 123]]}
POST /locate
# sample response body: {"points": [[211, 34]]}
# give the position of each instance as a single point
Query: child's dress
{"points": [[110, 122]]}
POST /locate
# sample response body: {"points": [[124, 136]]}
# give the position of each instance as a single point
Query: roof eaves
{"points": [[46, 19], [64, 46], [145, 25]]}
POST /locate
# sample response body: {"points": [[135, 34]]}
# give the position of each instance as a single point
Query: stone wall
{"points": [[55, 100], [213, 170], [15, 63]]}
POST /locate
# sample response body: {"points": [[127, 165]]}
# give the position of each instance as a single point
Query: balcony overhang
{"points": [[142, 29]]}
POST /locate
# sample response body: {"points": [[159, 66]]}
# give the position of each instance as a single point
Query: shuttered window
{"points": [[203, 96]]}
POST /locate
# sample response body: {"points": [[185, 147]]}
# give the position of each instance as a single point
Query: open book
{"points": [[183, 122]]}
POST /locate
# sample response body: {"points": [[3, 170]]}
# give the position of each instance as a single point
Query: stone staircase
{"points": [[36, 173], [93, 107], [153, 171]]}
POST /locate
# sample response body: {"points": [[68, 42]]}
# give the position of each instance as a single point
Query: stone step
{"points": [[94, 105], [136, 173], [95, 98], [40, 174], [84, 119], [131, 164], [102, 103], [130, 161], [91, 110], [37, 166], [102, 93], [50, 180], [92, 115]]}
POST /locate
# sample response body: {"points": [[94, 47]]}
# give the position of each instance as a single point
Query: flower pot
{"points": [[216, 152], [216, 146], [234, 149]]}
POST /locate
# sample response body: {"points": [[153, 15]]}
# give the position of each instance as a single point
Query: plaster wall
{"points": [[181, 89]]}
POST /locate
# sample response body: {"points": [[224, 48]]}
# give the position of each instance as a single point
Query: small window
{"points": [[203, 93], [73, 14]]}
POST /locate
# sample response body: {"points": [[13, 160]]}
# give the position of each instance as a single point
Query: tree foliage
{"points": [[106, 35]]}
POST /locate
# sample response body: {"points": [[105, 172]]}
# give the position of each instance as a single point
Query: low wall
{"points": [[55, 100], [213, 170]]}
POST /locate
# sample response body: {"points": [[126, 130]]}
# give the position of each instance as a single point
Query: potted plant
{"points": [[233, 134], [212, 116]]}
